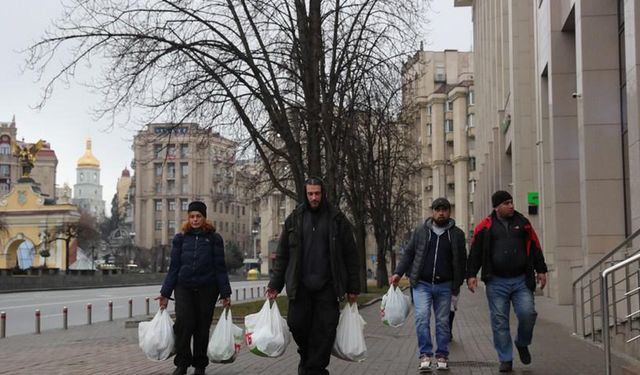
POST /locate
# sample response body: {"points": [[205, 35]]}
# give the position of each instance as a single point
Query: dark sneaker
{"points": [[525, 356], [199, 371], [179, 371], [506, 366]]}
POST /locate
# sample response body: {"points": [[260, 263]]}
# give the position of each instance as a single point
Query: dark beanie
{"points": [[499, 197], [198, 206]]}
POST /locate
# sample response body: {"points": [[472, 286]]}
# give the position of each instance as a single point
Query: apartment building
{"points": [[438, 99], [557, 112], [178, 163]]}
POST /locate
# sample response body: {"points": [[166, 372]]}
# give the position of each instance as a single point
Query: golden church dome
{"points": [[88, 160]]}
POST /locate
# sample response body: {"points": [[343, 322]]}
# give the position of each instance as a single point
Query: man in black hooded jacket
{"points": [[317, 260]]}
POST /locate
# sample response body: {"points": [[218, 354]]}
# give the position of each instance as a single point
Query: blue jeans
{"points": [[426, 295], [500, 293]]}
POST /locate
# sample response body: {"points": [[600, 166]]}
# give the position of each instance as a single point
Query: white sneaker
{"points": [[425, 363], [442, 364]]}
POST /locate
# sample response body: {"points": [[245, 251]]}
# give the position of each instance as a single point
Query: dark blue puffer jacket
{"points": [[197, 260]]}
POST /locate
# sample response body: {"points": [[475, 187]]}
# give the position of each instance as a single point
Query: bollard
{"points": [[65, 317], [111, 311], [251, 292], [88, 313], [146, 308], [236, 294], [130, 308], [244, 293], [37, 321], [3, 324]]}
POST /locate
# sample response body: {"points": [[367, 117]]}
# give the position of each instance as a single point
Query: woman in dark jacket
{"points": [[197, 275]]}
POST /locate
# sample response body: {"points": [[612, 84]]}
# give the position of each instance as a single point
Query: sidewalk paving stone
{"points": [[110, 348]]}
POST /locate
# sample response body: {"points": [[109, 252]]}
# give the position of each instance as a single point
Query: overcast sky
{"points": [[66, 120]]}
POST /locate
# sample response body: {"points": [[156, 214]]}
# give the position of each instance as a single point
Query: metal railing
{"points": [[627, 298], [606, 298]]}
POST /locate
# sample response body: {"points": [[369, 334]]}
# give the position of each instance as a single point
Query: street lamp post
{"points": [[255, 233]]}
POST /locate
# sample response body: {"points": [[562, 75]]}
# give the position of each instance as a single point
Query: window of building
{"points": [[5, 170], [4, 187], [471, 99], [428, 129], [184, 188], [184, 150], [184, 170], [171, 224], [472, 186], [157, 204], [171, 186], [5, 149], [226, 208], [448, 106], [243, 213], [470, 122], [472, 163], [429, 109], [172, 204], [158, 224], [158, 187], [233, 209], [158, 150], [448, 126], [440, 73], [184, 203], [81, 176], [171, 170], [158, 168], [171, 152]]}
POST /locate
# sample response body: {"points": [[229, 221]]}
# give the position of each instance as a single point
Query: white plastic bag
{"points": [[226, 340], [349, 344], [156, 336], [267, 333], [395, 307]]}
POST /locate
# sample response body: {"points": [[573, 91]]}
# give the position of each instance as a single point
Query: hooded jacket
{"points": [[344, 266], [197, 260], [414, 258], [480, 252]]}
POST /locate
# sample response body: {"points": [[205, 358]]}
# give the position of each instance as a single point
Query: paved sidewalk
{"points": [[109, 348]]}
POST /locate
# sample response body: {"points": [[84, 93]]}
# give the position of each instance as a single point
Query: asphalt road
{"points": [[20, 308]]}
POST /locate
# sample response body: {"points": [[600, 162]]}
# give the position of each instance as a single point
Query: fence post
{"points": [[65, 317], [37, 321], [88, 313], [130, 308], [110, 311], [3, 324]]}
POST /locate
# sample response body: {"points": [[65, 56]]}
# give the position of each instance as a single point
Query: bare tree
{"points": [[382, 158], [277, 70]]}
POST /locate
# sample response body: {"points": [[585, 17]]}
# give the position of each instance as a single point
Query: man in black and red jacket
{"points": [[506, 247]]}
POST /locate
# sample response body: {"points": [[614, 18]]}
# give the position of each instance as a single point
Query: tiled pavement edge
{"points": [[109, 348]]}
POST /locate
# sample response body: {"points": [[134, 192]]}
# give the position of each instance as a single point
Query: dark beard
{"points": [[441, 222]]}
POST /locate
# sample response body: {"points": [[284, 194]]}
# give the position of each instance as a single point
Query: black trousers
{"points": [[194, 312], [313, 318]]}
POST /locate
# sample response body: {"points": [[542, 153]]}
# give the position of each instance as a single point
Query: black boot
{"points": [[180, 370]]}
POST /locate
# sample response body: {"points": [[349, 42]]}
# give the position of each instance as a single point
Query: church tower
{"points": [[87, 192]]}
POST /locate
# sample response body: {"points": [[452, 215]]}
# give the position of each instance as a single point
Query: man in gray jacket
{"points": [[435, 261]]}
